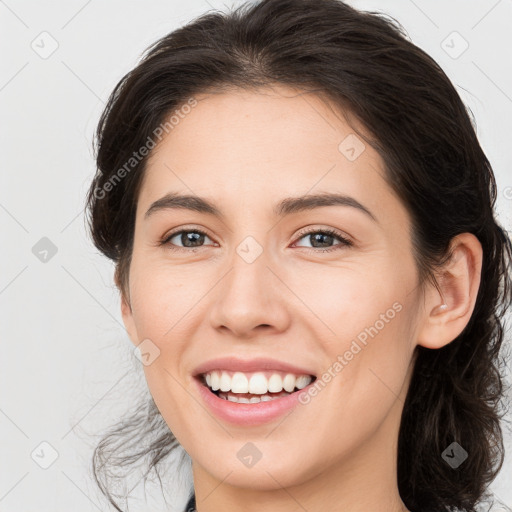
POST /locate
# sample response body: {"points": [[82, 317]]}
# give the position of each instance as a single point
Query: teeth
{"points": [[302, 381], [215, 381], [257, 383], [252, 400], [289, 383], [225, 382], [275, 383], [238, 383]]}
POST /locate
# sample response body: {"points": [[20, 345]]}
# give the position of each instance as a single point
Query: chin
{"points": [[273, 471]]}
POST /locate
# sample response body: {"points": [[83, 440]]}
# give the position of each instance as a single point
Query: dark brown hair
{"points": [[366, 65]]}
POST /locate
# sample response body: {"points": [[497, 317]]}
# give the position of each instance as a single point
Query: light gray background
{"points": [[66, 368]]}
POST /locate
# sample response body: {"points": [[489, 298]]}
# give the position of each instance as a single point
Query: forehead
{"points": [[254, 145]]}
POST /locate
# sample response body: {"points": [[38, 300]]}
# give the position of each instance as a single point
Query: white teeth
{"points": [[275, 383], [215, 381], [255, 383], [289, 383], [302, 381], [258, 384], [225, 382], [239, 383], [253, 400]]}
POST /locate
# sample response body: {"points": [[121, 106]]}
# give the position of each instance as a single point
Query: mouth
{"points": [[253, 387]]}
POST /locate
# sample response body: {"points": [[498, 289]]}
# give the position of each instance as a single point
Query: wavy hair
{"points": [[365, 64]]}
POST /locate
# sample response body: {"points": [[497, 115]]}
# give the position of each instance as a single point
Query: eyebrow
{"points": [[285, 207]]}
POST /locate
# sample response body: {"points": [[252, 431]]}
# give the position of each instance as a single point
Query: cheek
{"points": [[371, 336], [371, 362], [367, 379], [162, 300], [346, 300]]}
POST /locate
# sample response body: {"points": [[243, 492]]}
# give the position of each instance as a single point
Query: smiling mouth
{"points": [[254, 387]]}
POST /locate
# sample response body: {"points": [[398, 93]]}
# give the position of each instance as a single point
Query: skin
{"points": [[246, 151]]}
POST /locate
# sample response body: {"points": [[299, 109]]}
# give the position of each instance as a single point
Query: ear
{"points": [[449, 309], [126, 310]]}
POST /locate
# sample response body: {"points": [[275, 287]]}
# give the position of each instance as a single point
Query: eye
{"points": [[190, 238], [321, 238]]}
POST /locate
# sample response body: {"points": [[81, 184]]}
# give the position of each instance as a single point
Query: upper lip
{"points": [[249, 365]]}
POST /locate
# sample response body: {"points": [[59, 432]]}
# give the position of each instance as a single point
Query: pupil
{"points": [[191, 237], [317, 236]]}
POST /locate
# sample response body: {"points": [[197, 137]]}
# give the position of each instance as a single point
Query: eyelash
{"points": [[330, 232]]}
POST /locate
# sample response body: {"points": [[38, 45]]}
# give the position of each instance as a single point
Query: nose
{"points": [[250, 300]]}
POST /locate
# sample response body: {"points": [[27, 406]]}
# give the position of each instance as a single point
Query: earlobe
{"points": [[449, 307]]}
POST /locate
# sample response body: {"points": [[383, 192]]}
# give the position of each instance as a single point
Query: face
{"points": [[275, 284]]}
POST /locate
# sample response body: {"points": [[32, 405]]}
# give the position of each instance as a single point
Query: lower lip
{"points": [[248, 414]]}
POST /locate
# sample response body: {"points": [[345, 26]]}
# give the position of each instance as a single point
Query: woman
{"points": [[301, 218]]}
